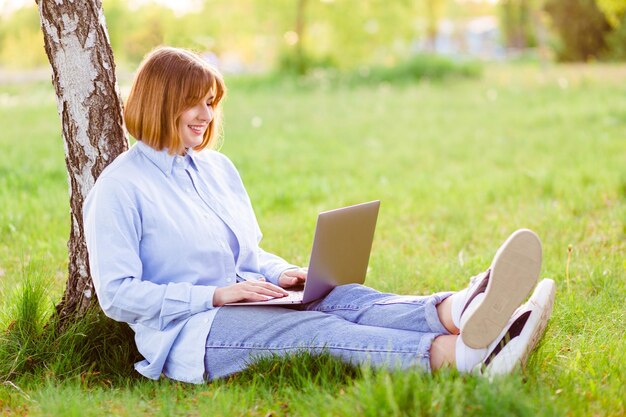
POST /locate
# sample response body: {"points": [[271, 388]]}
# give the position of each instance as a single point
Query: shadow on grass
{"points": [[297, 371]]}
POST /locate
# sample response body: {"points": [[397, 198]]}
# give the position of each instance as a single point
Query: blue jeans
{"points": [[354, 323]]}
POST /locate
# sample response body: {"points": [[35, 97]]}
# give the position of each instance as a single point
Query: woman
{"points": [[170, 232]]}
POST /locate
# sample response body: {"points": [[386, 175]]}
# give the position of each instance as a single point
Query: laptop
{"points": [[340, 253]]}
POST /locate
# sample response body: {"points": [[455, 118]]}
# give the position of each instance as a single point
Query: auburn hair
{"points": [[168, 82]]}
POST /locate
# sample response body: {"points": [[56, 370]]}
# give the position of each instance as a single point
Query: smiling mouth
{"points": [[198, 130]]}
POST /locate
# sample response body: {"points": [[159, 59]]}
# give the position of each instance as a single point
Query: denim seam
{"points": [[425, 345], [383, 303], [337, 307], [385, 350]]}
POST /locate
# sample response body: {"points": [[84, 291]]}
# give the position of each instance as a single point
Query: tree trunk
{"points": [[301, 58], [432, 25], [433, 10], [90, 108]]}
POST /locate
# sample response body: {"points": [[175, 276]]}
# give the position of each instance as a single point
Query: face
{"points": [[195, 121]]}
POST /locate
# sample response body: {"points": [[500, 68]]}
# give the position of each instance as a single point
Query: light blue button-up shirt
{"points": [[163, 232]]}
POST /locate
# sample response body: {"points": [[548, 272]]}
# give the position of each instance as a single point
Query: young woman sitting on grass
{"points": [[170, 228]]}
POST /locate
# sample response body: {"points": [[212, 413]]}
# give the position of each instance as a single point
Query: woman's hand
{"points": [[247, 291], [292, 277]]}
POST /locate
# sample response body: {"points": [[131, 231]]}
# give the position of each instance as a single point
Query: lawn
{"points": [[458, 165]]}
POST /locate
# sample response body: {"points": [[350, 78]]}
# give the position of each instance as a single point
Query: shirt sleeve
{"points": [[270, 266], [112, 222]]}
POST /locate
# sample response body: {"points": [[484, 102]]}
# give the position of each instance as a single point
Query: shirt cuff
{"points": [[201, 298]]}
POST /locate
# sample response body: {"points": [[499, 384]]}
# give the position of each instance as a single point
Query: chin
{"points": [[192, 143]]}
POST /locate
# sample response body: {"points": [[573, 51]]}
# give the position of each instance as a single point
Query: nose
{"points": [[206, 113]]}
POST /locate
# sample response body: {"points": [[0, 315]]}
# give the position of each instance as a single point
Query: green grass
{"points": [[458, 165]]}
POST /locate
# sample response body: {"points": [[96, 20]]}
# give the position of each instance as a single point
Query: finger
{"points": [[263, 296], [289, 281], [254, 296], [267, 289], [268, 285], [261, 282], [298, 273]]}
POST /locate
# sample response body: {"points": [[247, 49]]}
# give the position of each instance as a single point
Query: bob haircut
{"points": [[168, 82]]}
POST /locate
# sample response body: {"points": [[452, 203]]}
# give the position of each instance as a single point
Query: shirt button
{"points": [[179, 159], [229, 279]]}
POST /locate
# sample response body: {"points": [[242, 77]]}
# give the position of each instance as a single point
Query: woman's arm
{"points": [[113, 230]]}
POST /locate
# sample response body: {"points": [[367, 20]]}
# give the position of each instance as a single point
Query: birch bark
{"points": [[90, 108]]}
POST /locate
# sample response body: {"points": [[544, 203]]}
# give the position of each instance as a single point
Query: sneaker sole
{"points": [[518, 350], [514, 272]]}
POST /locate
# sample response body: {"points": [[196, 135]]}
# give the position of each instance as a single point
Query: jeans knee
{"points": [[351, 291]]}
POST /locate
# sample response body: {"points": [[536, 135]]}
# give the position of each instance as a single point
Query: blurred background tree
{"points": [[300, 35], [582, 29], [517, 23], [615, 13], [21, 42], [613, 10]]}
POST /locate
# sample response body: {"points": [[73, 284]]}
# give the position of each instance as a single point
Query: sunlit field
{"points": [[458, 165]]}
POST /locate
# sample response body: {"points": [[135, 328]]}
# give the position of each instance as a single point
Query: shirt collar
{"points": [[163, 160], [192, 155]]}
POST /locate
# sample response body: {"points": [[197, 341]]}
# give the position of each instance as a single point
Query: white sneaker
{"points": [[521, 334], [493, 296]]}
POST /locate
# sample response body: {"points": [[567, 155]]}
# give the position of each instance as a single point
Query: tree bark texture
{"points": [[90, 108]]}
